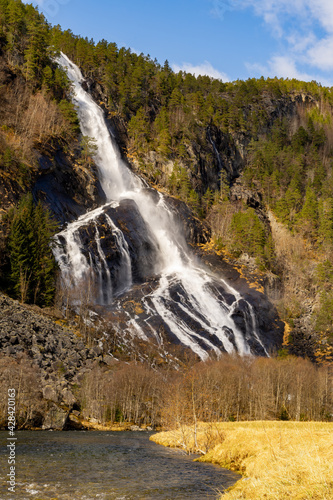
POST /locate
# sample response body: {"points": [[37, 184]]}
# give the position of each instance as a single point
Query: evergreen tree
{"points": [[36, 53], [247, 233], [308, 217], [325, 209], [32, 265]]}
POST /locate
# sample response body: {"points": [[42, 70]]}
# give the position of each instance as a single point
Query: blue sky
{"points": [[228, 39]]}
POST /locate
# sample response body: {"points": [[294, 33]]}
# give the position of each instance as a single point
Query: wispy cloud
{"points": [[304, 29], [49, 7], [311, 42], [220, 7], [202, 69], [281, 66]]}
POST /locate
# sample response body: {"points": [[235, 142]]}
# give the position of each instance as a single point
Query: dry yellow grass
{"points": [[278, 460]]}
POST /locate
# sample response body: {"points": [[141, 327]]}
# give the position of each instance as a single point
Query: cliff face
{"points": [[214, 154], [35, 155], [67, 188]]}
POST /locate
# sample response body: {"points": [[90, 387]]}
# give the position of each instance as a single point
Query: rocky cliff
{"points": [[58, 357]]}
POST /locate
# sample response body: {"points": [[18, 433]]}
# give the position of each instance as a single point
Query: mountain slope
{"points": [[252, 159]]}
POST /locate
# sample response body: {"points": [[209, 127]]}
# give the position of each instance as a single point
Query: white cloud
{"points": [[304, 27], [220, 7], [301, 44], [322, 10], [202, 69], [285, 67], [320, 54]]}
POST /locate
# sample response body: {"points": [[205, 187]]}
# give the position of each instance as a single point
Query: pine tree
{"points": [[33, 268], [308, 217], [44, 263], [207, 200], [22, 248], [325, 209], [36, 53], [138, 130]]}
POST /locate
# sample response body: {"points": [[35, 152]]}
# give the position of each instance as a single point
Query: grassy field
{"points": [[277, 460]]}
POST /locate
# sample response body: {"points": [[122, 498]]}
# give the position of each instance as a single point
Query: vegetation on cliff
{"points": [[37, 123]]}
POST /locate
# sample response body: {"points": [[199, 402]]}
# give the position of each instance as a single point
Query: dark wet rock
{"points": [[194, 231], [66, 188], [269, 325], [302, 343], [141, 243]]}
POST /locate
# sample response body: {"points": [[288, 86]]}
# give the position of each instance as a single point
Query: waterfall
{"points": [[186, 302]]}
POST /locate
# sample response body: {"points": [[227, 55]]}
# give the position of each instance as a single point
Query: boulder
{"points": [[55, 418]]}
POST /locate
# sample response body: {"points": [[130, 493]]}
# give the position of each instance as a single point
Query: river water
{"points": [[77, 465]]}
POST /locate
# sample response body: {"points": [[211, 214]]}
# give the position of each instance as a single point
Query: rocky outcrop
{"points": [[195, 231], [67, 188], [49, 345], [59, 356], [250, 197], [269, 325]]}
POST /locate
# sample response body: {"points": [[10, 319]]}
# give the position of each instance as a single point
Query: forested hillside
{"points": [[45, 166], [252, 159]]}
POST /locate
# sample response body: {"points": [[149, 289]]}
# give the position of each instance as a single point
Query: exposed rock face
{"points": [[47, 344], [302, 343], [59, 354], [55, 418], [142, 245], [98, 235], [271, 328], [137, 306], [249, 196], [194, 231], [65, 187]]}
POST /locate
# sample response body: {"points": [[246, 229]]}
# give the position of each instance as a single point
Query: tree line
{"points": [[228, 389]]}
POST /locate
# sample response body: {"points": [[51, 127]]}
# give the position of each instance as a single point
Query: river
{"points": [[79, 465]]}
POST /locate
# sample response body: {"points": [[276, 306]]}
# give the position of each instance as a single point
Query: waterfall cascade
{"points": [[195, 308]]}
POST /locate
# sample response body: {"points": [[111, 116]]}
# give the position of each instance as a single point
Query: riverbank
{"points": [[109, 465], [277, 460]]}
